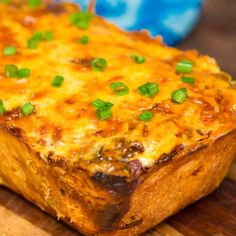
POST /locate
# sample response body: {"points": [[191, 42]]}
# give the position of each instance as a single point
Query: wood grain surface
{"points": [[214, 215]]}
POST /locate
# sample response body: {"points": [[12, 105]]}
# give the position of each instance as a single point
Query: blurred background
{"points": [[215, 33], [206, 25]]}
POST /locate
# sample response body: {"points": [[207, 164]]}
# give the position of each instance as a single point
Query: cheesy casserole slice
{"points": [[82, 94]]}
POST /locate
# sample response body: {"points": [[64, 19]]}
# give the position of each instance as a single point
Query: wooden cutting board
{"points": [[214, 215]]}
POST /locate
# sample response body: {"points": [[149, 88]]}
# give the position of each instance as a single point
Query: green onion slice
{"points": [[119, 88], [2, 107], [101, 105], [138, 59], [48, 36], [146, 116], [99, 64], [9, 51], [149, 89], [27, 108], [11, 71], [179, 95], [38, 36], [104, 114], [81, 19], [188, 80], [23, 73], [5, 1], [57, 81], [103, 111], [184, 67], [84, 39], [32, 43], [34, 3]]}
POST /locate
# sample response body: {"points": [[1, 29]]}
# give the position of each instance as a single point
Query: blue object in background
{"points": [[173, 19]]}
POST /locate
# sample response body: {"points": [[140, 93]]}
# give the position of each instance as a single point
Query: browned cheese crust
{"points": [[124, 174]]}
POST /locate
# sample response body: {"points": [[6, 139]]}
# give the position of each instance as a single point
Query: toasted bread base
{"points": [[179, 183], [159, 193]]}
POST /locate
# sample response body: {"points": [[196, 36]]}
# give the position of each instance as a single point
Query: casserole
{"points": [[110, 132]]}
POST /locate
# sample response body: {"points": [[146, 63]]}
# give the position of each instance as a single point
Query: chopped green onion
{"points": [[149, 89], [119, 88], [146, 116], [99, 64], [34, 3], [9, 51], [5, 1], [27, 108], [84, 39], [138, 59], [32, 43], [57, 81], [98, 103], [104, 114], [38, 36], [48, 36], [179, 95], [2, 107], [23, 73], [184, 66], [11, 71], [101, 105], [188, 80], [81, 19], [103, 111]]}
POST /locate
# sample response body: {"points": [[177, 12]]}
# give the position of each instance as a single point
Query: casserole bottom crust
{"points": [[73, 197]]}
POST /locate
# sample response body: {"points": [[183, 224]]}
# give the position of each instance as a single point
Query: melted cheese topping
{"points": [[64, 124]]}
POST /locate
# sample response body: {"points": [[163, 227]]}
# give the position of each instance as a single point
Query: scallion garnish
{"points": [[11, 70], [149, 89], [84, 39], [27, 108], [32, 43], [99, 64], [188, 80], [34, 3], [101, 105], [146, 116], [5, 1], [104, 114], [81, 19], [48, 36], [57, 81], [184, 67], [179, 95], [138, 59], [103, 111], [23, 73], [38, 36], [9, 51], [2, 107], [98, 103], [119, 88]]}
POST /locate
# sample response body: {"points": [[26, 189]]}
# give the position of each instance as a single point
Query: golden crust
{"points": [[95, 174], [113, 206]]}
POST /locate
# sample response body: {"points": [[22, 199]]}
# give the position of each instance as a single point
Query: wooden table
{"points": [[214, 215]]}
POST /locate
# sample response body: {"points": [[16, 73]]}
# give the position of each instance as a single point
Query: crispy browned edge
{"points": [[110, 205]]}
